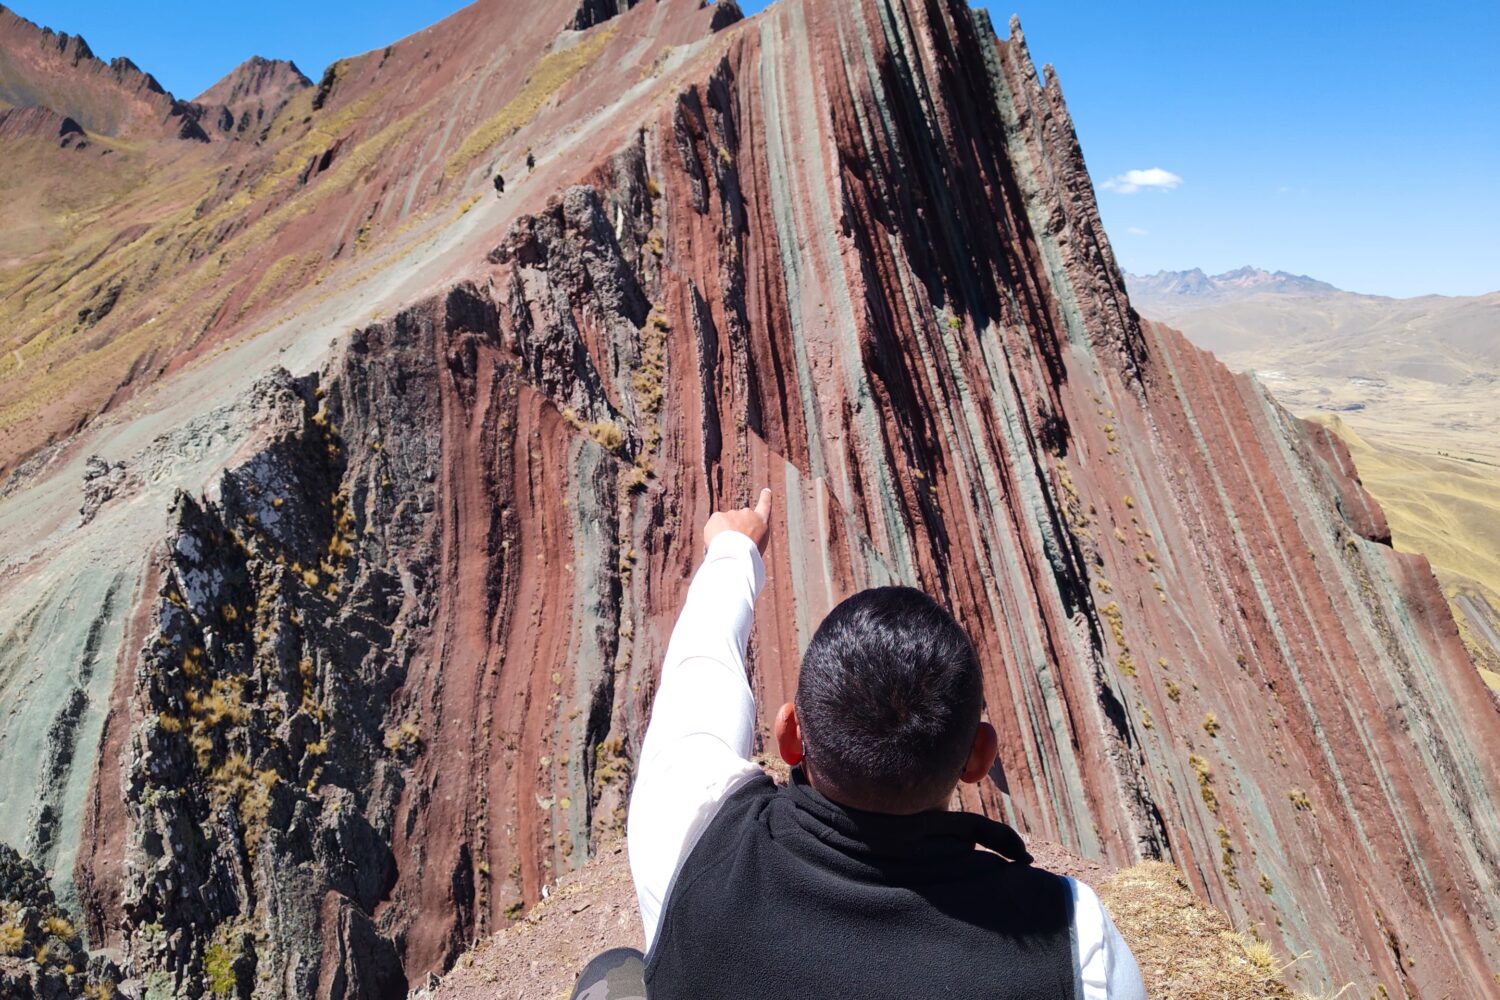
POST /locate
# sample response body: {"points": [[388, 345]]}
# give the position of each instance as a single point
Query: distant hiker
{"points": [[854, 880], [499, 184], [530, 161]]}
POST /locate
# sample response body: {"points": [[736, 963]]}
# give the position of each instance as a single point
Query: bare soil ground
{"points": [[1186, 950]]}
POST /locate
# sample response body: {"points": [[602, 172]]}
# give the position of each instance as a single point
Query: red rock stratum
{"points": [[348, 654]]}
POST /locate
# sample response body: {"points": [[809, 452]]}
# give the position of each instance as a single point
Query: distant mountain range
{"points": [[1254, 318], [1194, 288]]}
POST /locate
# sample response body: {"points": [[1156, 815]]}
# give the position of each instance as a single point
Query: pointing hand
{"points": [[754, 522]]}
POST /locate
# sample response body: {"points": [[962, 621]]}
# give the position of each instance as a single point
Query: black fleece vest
{"points": [[788, 896]]}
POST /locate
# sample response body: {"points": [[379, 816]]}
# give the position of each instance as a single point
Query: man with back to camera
{"points": [[854, 880]]}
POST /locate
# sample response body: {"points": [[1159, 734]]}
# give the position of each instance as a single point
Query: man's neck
{"points": [[835, 795]]}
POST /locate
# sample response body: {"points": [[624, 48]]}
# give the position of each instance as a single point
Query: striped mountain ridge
{"points": [[327, 645]]}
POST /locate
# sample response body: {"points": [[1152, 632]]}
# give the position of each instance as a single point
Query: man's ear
{"points": [[981, 755], [789, 735]]}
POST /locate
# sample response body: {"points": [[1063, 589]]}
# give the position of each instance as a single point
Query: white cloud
{"points": [[1132, 181], [1138, 231]]}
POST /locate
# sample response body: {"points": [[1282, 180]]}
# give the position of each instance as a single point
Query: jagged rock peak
{"points": [[592, 12], [256, 77], [76, 51], [726, 12], [71, 46], [245, 101], [125, 70], [40, 66]]}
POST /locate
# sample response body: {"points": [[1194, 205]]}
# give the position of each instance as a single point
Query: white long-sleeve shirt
{"points": [[697, 753]]}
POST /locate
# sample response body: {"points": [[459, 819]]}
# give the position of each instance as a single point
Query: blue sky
{"points": [[1355, 142]]}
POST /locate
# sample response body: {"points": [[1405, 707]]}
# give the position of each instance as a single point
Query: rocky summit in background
{"points": [[247, 100], [349, 504]]}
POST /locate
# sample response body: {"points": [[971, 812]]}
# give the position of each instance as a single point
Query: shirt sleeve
{"points": [[697, 746], [1105, 962]]}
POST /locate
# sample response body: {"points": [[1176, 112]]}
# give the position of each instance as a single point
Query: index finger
{"points": [[763, 505]]}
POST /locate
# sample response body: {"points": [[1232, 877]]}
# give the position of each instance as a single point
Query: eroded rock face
{"points": [[258, 778], [302, 807], [394, 666]]}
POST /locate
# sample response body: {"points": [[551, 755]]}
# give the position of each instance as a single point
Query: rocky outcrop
{"points": [[592, 12], [42, 123], [41, 951], [726, 12], [297, 725], [383, 679]]}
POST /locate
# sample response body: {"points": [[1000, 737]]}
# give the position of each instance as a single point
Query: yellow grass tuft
{"points": [[408, 736], [1205, 782], [609, 435], [1186, 950], [56, 926]]}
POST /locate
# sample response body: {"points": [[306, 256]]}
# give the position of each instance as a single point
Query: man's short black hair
{"points": [[889, 699]]}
